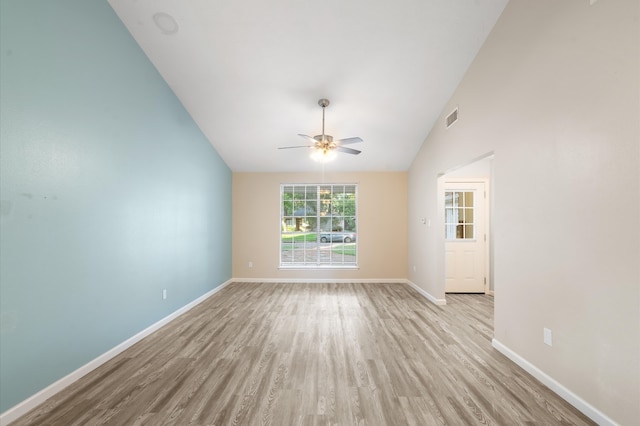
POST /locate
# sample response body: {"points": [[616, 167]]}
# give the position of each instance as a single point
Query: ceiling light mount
{"points": [[324, 138]]}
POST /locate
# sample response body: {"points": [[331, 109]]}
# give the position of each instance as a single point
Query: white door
{"points": [[465, 238]]}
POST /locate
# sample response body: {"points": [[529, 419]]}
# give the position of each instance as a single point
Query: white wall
{"points": [[554, 94]]}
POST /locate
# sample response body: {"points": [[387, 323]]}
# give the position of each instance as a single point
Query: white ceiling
{"points": [[251, 72]]}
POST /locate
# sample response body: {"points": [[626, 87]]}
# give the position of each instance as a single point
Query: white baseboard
{"points": [[46, 393], [431, 299], [587, 409]]}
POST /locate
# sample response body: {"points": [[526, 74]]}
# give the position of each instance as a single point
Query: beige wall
{"points": [[554, 94], [382, 225]]}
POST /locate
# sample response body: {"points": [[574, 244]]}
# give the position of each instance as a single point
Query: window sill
{"points": [[319, 267]]}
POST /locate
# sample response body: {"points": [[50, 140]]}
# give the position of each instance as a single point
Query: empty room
{"points": [[319, 213]]}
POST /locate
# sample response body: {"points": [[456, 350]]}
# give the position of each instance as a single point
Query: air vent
{"points": [[452, 118]]}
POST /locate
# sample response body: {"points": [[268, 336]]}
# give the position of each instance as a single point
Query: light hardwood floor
{"points": [[314, 354]]}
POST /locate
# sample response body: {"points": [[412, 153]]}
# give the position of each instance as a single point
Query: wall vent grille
{"points": [[452, 118]]}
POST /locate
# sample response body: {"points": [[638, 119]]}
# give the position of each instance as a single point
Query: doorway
{"points": [[466, 213]]}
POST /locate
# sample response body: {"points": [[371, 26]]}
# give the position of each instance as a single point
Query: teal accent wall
{"points": [[110, 193]]}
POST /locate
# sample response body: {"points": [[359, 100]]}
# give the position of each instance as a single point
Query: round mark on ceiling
{"points": [[166, 23]]}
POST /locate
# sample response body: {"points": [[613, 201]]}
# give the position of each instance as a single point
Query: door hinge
{"points": [[485, 238], [485, 280]]}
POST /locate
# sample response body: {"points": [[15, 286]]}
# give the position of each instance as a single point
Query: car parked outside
{"points": [[343, 237]]}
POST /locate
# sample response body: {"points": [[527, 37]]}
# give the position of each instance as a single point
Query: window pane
{"points": [[448, 199], [350, 223], [468, 215], [325, 207], [312, 193], [450, 231], [312, 224], [468, 199], [298, 193], [325, 224], [310, 207], [468, 232]]}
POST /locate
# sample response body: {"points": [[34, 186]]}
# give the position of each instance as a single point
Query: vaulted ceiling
{"points": [[251, 72]]}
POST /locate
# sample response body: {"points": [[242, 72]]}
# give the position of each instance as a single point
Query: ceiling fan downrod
{"points": [[323, 103]]}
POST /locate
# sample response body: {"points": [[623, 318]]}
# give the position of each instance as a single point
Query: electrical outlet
{"points": [[547, 337], [164, 294], [250, 264]]}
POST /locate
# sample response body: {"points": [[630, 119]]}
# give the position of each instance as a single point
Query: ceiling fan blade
{"points": [[347, 141], [314, 141], [297, 146], [347, 150]]}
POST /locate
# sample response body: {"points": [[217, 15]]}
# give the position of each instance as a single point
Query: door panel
{"points": [[465, 244]]}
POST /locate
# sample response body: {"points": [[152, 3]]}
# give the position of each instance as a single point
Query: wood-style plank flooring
{"points": [[314, 354]]}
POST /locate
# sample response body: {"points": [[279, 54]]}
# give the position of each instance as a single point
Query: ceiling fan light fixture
{"points": [[323, 155]]}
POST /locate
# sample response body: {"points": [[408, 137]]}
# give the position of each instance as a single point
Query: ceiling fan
{"points": [[323, 145]]}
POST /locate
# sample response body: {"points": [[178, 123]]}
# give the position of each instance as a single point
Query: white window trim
{"points": [[317, 265]]}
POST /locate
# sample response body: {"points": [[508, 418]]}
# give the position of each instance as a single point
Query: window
{"points": [[318, 226], [458, 215]]}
